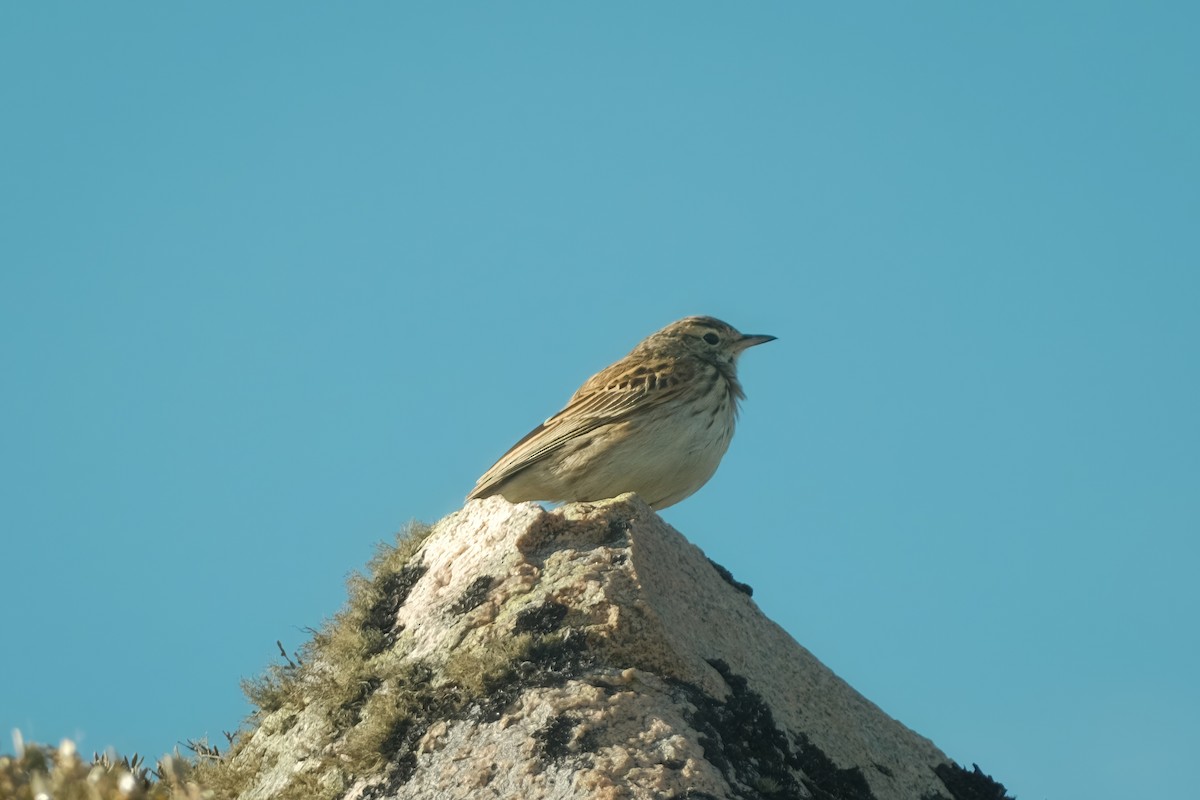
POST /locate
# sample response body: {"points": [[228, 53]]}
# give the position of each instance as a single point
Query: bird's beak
{"points": [[751, 339]]}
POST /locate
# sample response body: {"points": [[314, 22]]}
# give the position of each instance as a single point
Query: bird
{"points": [[656, 423]]}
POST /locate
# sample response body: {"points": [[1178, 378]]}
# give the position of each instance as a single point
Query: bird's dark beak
{"points": [[751, 339]]}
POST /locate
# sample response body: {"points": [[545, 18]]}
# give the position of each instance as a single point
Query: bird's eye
{"points": [[712, 338]]}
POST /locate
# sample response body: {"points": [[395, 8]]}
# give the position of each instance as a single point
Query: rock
{"points": [[585, 652]]}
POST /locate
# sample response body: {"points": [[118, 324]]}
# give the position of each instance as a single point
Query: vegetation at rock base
{"points": [[37, 771]]}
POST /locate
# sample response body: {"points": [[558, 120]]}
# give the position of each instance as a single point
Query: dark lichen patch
{"points": [[618, 531], [558, 738], [741, 739], [399, 715], [973, 785], [544, 618], [398, 727], [554, 738], [590, 525], [557, 659], [366, 687], [393, 590], [479, 670], [474, 595], [478, 685], [727, 576], [546, 661], [825, 779], [401, 745]]}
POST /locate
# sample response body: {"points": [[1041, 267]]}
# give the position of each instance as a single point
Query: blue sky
{"points": [[277, 278]]}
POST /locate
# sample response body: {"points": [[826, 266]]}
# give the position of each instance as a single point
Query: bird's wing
{"points": [[609, 396]]}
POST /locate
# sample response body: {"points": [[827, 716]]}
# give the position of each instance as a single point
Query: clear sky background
{"points": [[276, 278]]}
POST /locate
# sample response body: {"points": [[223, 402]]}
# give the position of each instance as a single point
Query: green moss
{"points": [[765, 785], [339, 674], [399, 700], [476, 672], [317, 784], [222, 779], [272, 690]]}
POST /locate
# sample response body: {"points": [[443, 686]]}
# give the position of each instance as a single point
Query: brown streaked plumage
{"points": [[657, 422]]}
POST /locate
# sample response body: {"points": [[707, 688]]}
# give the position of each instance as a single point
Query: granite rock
{"points": [[591, 651]]}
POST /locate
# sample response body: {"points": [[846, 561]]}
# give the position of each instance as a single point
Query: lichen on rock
{"points": [[588, 651]]}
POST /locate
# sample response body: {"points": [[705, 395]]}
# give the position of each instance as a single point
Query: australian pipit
{"points": [[657, 422]]}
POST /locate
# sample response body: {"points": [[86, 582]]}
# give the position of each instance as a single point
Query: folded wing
{"points": [[608, 397]]}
